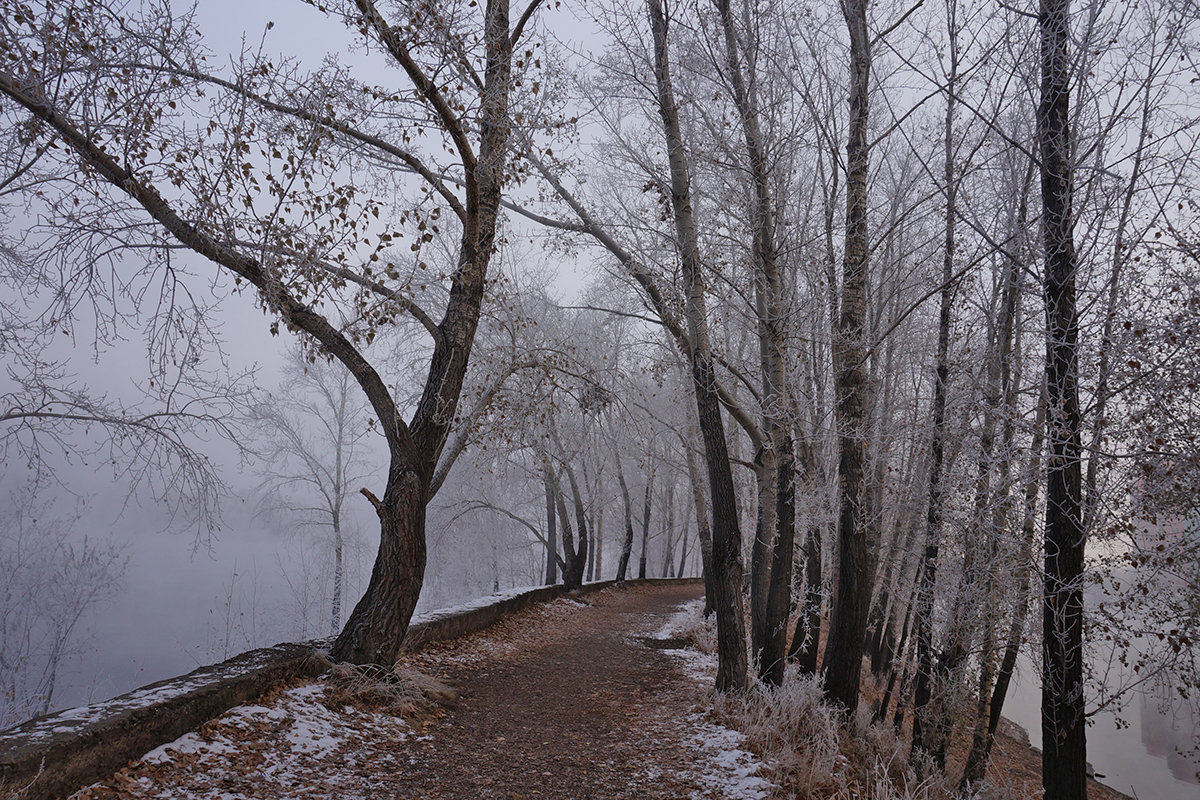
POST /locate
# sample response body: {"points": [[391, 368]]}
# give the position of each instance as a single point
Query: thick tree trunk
{"points": [[375, 630], [726, 536], [761, 547], [779, 597], [578, 560], [1064, 737], [574, 559], [848, 622], [774, 539]]}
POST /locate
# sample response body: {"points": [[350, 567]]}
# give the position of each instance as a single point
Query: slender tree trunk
{"points": [[1001, 504], [591, 561], [646, 505], [848, 622], [893, 672], [703, 531], [551, 534], [981, 750], [1064, 736], [338, 573], [979, 564], [598, 545], [683, 539], [884, 644], [627, 543], [806, 642], [726, 536], [922, 737], [669, 532]]}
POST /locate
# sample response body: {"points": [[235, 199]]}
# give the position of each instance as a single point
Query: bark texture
{"points": [[726, 536], [1063, 723], [848, 622]]}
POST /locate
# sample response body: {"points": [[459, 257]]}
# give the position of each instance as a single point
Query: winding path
{"points": [[575, 710], [571, 700]]}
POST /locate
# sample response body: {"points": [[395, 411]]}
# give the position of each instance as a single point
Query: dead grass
{"points": [[815, 751], [402, 691]]}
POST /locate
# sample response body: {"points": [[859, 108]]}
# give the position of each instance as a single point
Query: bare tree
{"points": [[308, 244], [315, 453], [52, 577], [1064, 735], [848, 621]]}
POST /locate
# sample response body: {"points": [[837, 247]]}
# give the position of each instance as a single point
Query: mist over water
{"points": [[1147, 749]]}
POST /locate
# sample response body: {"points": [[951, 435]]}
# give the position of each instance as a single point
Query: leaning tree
{"points": [[301, 183]]}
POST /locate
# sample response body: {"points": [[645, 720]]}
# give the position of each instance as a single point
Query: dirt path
{"points": [[576, 710], [567, 701]]}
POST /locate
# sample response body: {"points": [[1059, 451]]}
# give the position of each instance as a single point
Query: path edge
{"points": [[56, 755]]}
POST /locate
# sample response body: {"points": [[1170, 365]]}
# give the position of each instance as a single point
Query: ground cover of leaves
{"points": [[565, 701]]}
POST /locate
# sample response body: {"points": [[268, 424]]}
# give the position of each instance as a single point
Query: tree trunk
{"points": [[848, 622], [551, 534], [598, 544], [591, 561], [726, 536], [646, 505], [1001, 503], [575, 559], [375, 630], [1064, 737], [683, 540], [981, 750], [774, 539], [578, 560], [806, 642], [627, 543], [923, 622], [779, 597], [761, 547], [338, 573], [893, 672], [703, 531]]}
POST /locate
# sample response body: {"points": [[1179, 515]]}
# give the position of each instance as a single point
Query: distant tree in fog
{"points": [[50, 578], [315, 454]]}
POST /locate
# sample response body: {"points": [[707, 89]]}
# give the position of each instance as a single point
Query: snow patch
{"points": [[729, 771], [726, 768], [282, 747]]}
